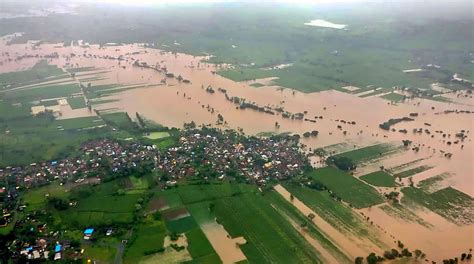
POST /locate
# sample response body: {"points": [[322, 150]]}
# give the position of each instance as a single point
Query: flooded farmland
{"points": [[337, 116]]}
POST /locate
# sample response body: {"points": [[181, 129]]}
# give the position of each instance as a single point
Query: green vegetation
{"points": [[199, 247], [148, 238], [450, 203], [39, 72], [257, 85], [394, 97], [41, 92], [337, 214], [379, 178], [433, 183], [413, 171], [347, 187], [287, 210], [374, 50], [250, 216], [158, 135], [76, 102], [368, 153]]}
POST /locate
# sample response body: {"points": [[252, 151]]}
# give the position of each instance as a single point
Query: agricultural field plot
{"points": [[42, 92], [369, 153], [337, 214], [401, 212], [148, 238], [39, 72], [433, 183], [289, 211], [251, 217], [77, 102], [200, 248], [42, 137], [347, 187], [157, 135], [450, 203], [79, 122], [380, 179], [37, 198], [81, 69], [413, 171], [119, 120], [198, 193], [393, 97]]}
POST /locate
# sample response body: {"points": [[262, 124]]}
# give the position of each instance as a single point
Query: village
{"points": [[208, 154]]}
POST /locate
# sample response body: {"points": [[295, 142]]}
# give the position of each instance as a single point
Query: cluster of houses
{"points": [[205, 153], [229, 154]]}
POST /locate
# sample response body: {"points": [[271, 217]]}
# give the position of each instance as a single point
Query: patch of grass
{"points": [[257, 85], [181, 225], [250, 216], [413, 171], [158, 135], [77, 102], [42, 92], [149, 237], [379, 178], [81, 69], [450, 203], [288, 210], [393, 97], [198, 244], [345, 186], [369, 153], [198, 193], [433, 183], [37, 198], [79, 122], [105, 253], [119, 120], [39, 71], [337, 214]]}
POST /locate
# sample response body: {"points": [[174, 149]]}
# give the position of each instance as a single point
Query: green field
{"points": [[379, 178], [393, 97], [433, 183], [347, 187], [39, 72], [337, 214], [250, 216], [148, 238], [287, 210], [369, 153], [450, 203], [41, 92], [158, 135], [199, 246], [77, 102], [413, 171]]}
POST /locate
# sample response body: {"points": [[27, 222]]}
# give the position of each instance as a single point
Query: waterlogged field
{"points": [[345, 186], [229, 222]]}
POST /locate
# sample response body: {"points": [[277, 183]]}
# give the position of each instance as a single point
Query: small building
{"points": [[88, 233]]}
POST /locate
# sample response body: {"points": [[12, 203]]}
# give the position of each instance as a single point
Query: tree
{"points": [[359, 260], [343, 163], [372, 258], [292, 197], [311, 216]]}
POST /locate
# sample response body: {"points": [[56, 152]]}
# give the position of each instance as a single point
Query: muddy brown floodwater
{"points": [[175, 102]]}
